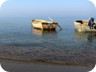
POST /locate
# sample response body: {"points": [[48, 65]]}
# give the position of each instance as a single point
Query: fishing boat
{"points": [[44, 24], [82, 26]]}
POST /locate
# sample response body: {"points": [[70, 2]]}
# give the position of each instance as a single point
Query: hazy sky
{"points": [[28, 8]]}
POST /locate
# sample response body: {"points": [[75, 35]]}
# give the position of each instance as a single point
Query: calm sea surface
{"points": [[20, 43]]}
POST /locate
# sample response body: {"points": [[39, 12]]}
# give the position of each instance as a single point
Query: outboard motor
{"points": [[94, 26]]}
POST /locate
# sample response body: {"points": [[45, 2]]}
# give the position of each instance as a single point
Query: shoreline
{"points": [[34, 67], [60, 63]]}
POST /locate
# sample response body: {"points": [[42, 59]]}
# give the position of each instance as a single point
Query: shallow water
{"points": [[19, 42]]}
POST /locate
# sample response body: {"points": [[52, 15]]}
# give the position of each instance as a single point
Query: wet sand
{"points": [[33, 67]]}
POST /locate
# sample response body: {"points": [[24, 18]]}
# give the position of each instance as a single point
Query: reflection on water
{"points": [[90, 36], [43, 32]]}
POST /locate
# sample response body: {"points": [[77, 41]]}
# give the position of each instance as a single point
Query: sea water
{"points": [[21, 43]]}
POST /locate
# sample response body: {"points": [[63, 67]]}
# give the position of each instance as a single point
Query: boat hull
{"points": [[40, 24]]}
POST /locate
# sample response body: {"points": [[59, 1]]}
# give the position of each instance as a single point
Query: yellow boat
{"points": [[43, 24], [82, 26]]}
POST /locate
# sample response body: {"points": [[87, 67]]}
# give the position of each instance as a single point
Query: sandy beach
{"points": [[33, 67]]}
